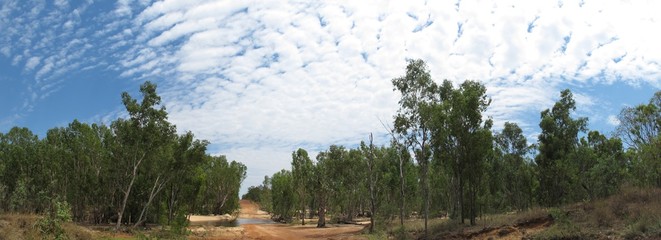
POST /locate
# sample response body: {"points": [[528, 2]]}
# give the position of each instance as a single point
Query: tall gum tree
{"points": [[517, 179], [640, 130], [418, 92], [558, 139], [462, 141], [142, 138], [474, 135], [301, 172]]}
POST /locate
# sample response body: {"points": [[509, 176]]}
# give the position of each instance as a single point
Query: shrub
{"points": [[51, 225]]}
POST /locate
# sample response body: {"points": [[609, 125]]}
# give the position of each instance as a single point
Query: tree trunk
{"points": [[402, 202], [322, 213], [425, 189], [128, 192], [171, 203], [302, 212], [221, 204], [472, 215], [371, 179], [311, 208], [152, 194]]}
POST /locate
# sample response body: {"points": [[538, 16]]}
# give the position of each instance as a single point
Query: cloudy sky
{"points": [[259, 79]]}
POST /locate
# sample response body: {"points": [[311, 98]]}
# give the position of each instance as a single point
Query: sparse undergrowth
{"points": [[519, 224], [633, 213], [28, 226], [31, 226]]}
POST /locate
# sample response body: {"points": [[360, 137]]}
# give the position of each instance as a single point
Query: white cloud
{"points": [[613, 120], [288, 74], [257, 78], [5, 50], [32, 63], [61, 3], [123, 8]]}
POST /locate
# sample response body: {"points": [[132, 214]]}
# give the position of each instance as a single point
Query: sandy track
{"points": [[279, 231], [250, 209]]}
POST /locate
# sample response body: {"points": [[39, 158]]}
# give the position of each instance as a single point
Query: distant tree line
{"points": [[136, 170], [445, 160]]}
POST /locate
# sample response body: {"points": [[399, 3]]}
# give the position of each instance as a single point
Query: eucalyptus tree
{"points": [[641, 125], [321, 186], [640, 130], [462, 139], [372, 178], [219, 193], [559, 138], [412, 121], [185, 174], [27, 179], [302, 172], [403, 158], [142, 139], [598, 167], [81, 148], [352, 177], [338, 169], [266, 198], [283, 195], [517, 173]]}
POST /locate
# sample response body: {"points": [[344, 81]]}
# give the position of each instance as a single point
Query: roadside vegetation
{"points": [[447, 172], [133, 174]]}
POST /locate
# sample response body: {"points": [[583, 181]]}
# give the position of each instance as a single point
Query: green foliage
{"points": [[559, 138], [510, 174], [302, 173], [414, 117], [219, 192], [261, 195], [400, 233], [254, 194], [443, 160], [283, 195], [137, 169], [470, 170], [52, 223], [179, 224], [640, 129], [19, 197], [644, 228]]}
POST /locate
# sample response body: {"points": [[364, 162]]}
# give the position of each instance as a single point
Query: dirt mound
{"points": [[519, 230]]}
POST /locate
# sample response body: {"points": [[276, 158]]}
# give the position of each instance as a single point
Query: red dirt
{"points": [[279, 231], [507, 232]]}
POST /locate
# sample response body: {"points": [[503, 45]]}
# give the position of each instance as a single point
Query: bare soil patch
{"points": [[250, 209]]}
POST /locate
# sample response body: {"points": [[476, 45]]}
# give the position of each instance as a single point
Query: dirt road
{"points": [[278, 231], [250, 209]]}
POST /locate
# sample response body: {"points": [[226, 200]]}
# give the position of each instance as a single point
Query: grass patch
{"points": [[19, 226], [634, 213]]}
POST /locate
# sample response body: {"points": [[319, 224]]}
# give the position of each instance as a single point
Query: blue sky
{"points": [[259, 79]]}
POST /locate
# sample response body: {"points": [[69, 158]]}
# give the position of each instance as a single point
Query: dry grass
{"points": [[634, 213], [509, 225], [19, 226], [26, 226]]}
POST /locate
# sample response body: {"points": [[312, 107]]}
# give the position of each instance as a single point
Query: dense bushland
{"points": [[135, 171]]}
